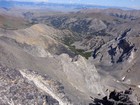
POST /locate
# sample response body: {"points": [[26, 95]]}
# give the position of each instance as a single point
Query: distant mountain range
{"points": [[54, 6]]}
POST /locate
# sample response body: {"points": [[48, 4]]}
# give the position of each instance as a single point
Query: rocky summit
{"points": [[77, 56]]}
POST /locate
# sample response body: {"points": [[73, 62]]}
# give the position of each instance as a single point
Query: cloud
{"points": [[135, 7], [73, 1]]}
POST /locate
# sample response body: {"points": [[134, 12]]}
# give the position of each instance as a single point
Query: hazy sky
{"points": [[121, 3]]}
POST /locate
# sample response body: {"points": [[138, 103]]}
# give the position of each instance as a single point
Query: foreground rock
{"points": [[27, 87], [116, 98]]}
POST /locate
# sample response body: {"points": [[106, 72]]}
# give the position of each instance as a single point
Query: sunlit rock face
{"points": [[81, 74]]}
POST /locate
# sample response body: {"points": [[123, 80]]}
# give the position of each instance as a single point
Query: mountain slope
{"points": [[46, 56], [114, 41], [20, 49]]}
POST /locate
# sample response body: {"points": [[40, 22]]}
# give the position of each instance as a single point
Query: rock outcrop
{"points": [[53, 88], [116, 98], [18, 90], [81, 74]]}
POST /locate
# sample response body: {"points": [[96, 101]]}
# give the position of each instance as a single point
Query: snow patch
{"points": [[123, 78], [138, 86]]}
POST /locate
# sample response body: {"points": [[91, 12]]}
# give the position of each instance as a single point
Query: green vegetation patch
{"points": [[69, 40], [80, 52]]}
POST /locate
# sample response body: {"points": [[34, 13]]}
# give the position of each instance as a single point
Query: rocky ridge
{"points": [[16, 89]]}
